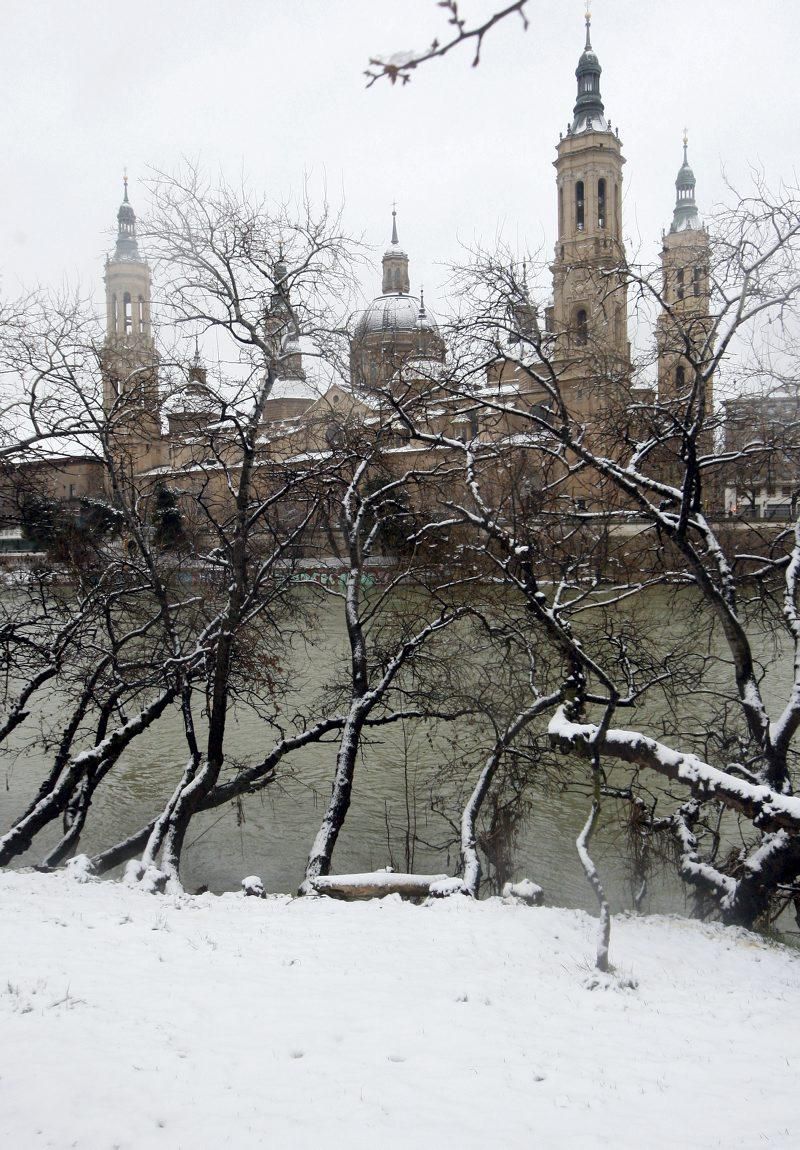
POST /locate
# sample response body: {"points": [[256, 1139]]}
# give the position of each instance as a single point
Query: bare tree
{"points": [[650, 459]]}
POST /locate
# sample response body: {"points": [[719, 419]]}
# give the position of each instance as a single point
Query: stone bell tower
{"points": [[684, 324], [129, 358], [589, 314]]}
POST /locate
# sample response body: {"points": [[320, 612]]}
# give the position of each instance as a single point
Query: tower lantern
{"points": [[129, 357], [683, 327], [395, 264]]}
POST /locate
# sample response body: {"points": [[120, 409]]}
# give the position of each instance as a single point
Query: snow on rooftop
{"points": [[295, 389], [309, 456]]}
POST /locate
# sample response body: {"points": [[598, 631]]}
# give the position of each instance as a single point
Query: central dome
{"points": [[395, 313], [394, 327]]}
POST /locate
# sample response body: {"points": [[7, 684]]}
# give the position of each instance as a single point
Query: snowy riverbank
{"points": [[136, 1021]]}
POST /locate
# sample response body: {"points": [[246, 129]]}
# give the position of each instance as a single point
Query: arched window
{"points": [[698, 273], [126, 303], [141, 315], [680, 378], [114, 314], [579, 205], [680, 289], [581, 327], [560, 211], [601, 203]]}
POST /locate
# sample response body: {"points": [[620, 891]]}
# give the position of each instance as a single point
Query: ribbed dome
{"points": [[685, 178], [194, 399], [395, 313]]}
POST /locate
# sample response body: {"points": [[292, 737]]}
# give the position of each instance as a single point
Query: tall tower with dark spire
{"points": [[589, 315], [683, 326], [129, 357]]}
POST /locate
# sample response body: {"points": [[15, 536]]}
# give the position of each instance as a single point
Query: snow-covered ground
{"points": [[135, 1021]]}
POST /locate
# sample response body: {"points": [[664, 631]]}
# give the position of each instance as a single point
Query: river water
{"points": [[270, 834]]}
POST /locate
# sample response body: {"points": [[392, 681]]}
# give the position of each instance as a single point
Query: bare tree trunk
{"points": [[469, 846], [122, 851], [604, 928], [319, 859], [20, 837]]}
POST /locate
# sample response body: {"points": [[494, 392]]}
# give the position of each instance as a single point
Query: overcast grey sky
{"points": [[275, 89]]}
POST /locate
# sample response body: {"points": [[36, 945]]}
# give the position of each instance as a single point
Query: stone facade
{"points": [[397, 342]]}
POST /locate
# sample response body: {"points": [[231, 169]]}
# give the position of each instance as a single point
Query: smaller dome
{"points": [[395, 313], [194, 399], [685, 177]]}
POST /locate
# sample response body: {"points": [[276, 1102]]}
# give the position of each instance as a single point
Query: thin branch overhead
{"points": [[400, 65]]}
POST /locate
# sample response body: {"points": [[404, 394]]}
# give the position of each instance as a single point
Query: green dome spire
{"points": [[588, 113], [686, 216]]}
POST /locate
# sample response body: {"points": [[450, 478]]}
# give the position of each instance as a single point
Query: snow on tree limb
{"points": [[767, 809]]}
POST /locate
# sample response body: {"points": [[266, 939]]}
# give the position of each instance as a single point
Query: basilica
{"points": [[397, 336]]}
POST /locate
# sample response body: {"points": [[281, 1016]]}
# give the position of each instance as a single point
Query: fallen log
{"points": [[377, 884]]}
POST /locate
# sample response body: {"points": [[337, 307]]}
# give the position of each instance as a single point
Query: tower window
{"points": [[680, 378], [697, 278], [680, 289], [579, 217], [601, 203], [141, 315], [560, 211], [114, 314], [126, 303], [581, 327]]}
